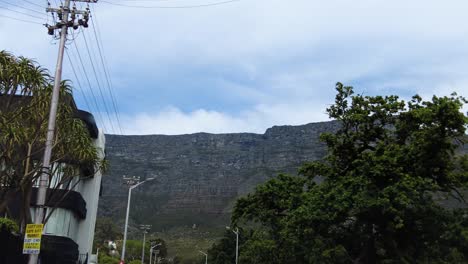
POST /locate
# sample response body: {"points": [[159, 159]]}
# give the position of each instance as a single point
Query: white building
{"points": [[69, 232]]}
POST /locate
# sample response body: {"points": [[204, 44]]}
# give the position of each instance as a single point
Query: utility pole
{"points": [[145, 229], [68, 18], [237, 241], [151, 251], [237, 244], [133, 182], [206, 256]]}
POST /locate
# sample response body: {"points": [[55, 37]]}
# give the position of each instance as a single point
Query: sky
{"points": [[246, 65]]}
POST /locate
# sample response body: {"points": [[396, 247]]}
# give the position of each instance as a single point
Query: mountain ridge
{"points": [[200, 175]]}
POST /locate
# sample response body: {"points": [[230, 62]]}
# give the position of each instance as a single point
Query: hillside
{"points": [[200, 175]]}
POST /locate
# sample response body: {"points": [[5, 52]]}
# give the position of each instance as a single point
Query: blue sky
{"points": [[252, 64]]}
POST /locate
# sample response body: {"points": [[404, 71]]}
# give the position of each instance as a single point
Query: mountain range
{"points": [[199, 176]]}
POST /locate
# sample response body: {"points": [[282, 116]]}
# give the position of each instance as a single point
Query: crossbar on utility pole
{"points": [[63, 26]]}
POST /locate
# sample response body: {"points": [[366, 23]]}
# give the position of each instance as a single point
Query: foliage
{"points": [[25, 91], [223, 252], [106, 259], [377, 200], [134, 249], [8, 225], [184, 242], [176, 260], [162, 248], [105, 230]]}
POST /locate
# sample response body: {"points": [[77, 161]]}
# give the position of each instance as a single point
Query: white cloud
{"points": [[172, 121], [278, 60]]}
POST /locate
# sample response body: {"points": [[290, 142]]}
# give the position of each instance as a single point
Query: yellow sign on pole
{"points": [[32, 239]]}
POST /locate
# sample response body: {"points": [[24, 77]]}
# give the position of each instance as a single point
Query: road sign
{"points": [[32, 239]]}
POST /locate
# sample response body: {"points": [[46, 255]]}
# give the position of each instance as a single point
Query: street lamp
{"points": [[151, 251], [206, 256], [131, 181], [145, 229], [237, 241]]}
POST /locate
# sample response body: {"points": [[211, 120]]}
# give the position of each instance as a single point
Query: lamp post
{"points": [[135, 183], [145, 229], [237, 241], [151, 251], [206, 256]]}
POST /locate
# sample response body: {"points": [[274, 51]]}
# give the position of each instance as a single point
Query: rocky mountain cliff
{"points": [[199, 176]]}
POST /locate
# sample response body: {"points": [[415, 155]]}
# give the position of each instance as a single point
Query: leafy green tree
{"points": [[162, 248], [379, 200], [224, 251], [133, 250], [105, 230], [25, 91]]}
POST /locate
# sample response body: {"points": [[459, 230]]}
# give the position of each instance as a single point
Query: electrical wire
{"points": [[22, 20], [98, 83], [170, 7], [25, 8], [72, 38], [150, 0], [79, 76], [77, 80], [22, 13], [106, 71], [32, 3], [89, 85]]}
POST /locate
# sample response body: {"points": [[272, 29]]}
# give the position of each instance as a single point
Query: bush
{"points": [[8, 225], [105, 259]]}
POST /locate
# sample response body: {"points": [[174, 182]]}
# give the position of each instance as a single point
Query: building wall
{"points": [[66, 223], [62, 222], [89, 189]]}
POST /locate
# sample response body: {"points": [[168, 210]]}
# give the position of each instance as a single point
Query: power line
{"points": [[98, 83], [22, 13], [89, 84], [25, 8], [77, 80], [79, 76], [32, 3], [22, 20], [174, 7], [150, 0], [106, 71]]}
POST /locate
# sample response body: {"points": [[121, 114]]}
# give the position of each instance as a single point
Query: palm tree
{"points": [[25, 91]]}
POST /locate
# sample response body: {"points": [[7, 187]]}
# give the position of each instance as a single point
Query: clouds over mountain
{"points": [[251, 64]]}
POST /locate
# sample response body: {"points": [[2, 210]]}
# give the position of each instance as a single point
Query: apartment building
{"points": [[72, 204]]}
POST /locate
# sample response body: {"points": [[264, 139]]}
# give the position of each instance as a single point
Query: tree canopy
{"points": [[376, 197]]}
